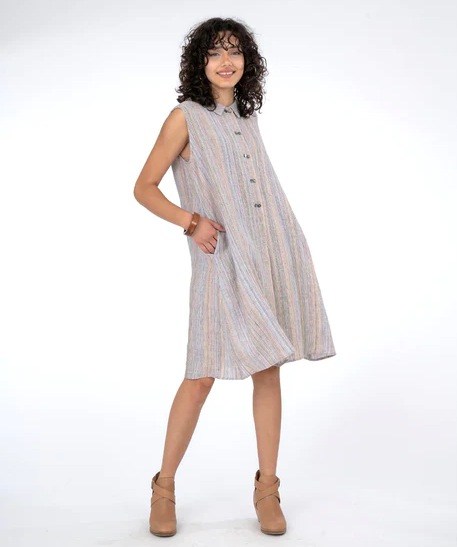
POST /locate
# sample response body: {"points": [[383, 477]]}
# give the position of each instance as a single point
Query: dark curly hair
{"points": [[249, 91]]}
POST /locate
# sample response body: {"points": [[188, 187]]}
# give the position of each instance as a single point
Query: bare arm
{"points": [[172, 138]]}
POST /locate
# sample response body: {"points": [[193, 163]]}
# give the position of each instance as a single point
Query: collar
{"points": [[220, 109]]}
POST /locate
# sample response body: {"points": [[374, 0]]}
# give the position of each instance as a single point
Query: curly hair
{"points": [[249, 91]]}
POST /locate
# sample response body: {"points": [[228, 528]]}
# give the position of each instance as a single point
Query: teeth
{"points": [[225, 73]]}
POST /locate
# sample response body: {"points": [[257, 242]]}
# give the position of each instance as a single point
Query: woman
{"points": [[255, 299]]}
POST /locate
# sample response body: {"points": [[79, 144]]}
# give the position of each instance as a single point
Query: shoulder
{"points": [[188, 106], [190, 112], [177, 122], [179, 115], [186, 117]]}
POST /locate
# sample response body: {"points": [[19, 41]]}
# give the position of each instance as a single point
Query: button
{"points": [[237, 132], [228, 110], [246, 155], [257, 205], [252, 180]]}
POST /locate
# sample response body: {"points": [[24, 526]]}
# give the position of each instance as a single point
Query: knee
{"points": [[200, 387], [268, 376], [204, 383]]}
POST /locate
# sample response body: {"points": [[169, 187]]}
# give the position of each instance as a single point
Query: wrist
{"points": [[186, 220], [192, 225]]}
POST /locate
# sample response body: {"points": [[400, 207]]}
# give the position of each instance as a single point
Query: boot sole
{"points": [[271, 533], [163, 534]]}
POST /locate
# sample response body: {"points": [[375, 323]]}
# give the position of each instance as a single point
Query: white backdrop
{"points": [[360, 122]]}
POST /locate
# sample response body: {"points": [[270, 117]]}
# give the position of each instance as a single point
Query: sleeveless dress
{"points": [[256, 301]]}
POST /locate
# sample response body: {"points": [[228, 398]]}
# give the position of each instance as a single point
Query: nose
{"points": [[226, 58]]}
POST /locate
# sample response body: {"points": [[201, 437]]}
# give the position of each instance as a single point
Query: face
{"points": [[224, 59]]}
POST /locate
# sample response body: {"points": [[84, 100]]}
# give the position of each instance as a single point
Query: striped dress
{"points": [[256, 301]]}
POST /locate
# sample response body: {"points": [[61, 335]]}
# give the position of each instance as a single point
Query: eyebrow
{"points": [[220, 47]]}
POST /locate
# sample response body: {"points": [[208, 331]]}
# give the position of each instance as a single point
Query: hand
{"points": [[206, 234]]}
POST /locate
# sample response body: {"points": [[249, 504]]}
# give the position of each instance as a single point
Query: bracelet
{"points": [[193, 224]]}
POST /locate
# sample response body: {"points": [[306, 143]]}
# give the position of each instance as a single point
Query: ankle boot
{"points": [[162, 520], [267, 506]]}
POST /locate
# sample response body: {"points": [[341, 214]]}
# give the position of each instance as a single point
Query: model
{"points": [[255, 302]]}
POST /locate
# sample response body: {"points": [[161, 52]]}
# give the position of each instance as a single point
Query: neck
{"points": [[225, 97]]}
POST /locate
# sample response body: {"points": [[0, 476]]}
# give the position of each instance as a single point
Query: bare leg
{"points": [[267, 418], [182, 421], [184, 414]]}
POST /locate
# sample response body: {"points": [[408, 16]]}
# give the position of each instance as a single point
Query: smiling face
{"points": [[225, 65]]}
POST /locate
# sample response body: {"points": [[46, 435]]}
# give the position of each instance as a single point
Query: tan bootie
{"points": [[267, 506], [162, 520]]}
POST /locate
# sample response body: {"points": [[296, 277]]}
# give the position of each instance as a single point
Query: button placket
{"points": [[253, 180], [247, 156], [229, 110]]}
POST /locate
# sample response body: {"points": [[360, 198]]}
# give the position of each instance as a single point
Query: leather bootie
{"points": [[162, 520], [267, 506]]}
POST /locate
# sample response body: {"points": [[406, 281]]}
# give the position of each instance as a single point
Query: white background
{"points": [[360, 122]]}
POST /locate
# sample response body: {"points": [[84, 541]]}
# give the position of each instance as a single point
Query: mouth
{"points": [[226, 74]]}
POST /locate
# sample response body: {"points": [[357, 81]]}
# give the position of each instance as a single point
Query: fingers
{"points": [[210, 247], [218, 226], [213, 244]]}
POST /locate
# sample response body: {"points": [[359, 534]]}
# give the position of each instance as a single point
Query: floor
{"points": [[324, 519]]}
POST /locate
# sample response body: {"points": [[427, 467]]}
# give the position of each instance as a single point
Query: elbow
{"points": [[138, 192], [140, 189]]}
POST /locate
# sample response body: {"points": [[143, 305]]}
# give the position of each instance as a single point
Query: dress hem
{"points": [[279, 364]]}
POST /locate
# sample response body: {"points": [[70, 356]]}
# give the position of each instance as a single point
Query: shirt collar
{"points": [[220, 109]]}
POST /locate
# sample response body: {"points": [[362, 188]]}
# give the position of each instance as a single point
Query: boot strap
{"points": [[159, 492], [263, 490]]}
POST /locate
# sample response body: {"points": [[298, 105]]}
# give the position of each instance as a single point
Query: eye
{"points": [[235, 52]]}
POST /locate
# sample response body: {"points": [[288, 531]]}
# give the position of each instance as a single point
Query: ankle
{"points": [[268, 478], [268, 475], [166, 475]]}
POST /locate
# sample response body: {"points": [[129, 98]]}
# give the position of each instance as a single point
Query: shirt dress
{"points": [[256, 301]]}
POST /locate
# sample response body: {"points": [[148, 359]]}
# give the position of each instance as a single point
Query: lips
{"points": [[226, 74]]}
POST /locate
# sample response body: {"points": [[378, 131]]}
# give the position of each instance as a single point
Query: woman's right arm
{"points": [[172, 138]]}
